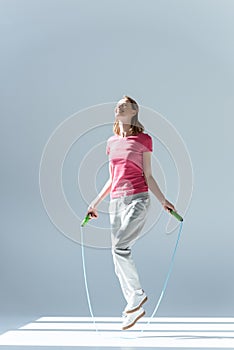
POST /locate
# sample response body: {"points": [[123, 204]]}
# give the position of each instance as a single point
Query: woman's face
{"points": [[124, 111]]}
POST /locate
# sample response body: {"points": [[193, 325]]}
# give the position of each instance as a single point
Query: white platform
{"points": [[161, 332]]}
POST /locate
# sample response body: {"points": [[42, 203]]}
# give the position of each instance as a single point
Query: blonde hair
{"points": [[136, 127]]}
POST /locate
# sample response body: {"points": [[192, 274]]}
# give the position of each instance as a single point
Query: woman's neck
{"points": [[124, 130]]}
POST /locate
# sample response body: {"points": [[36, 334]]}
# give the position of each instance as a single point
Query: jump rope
{"points": [[84, 222]]}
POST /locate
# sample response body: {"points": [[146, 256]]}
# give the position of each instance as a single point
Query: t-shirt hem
{"points": [[112, 196]]}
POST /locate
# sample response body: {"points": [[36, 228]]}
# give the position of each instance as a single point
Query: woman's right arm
{"points": [[102, 194]]}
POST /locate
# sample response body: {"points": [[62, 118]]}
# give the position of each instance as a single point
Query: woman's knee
{"points": [[124, 252]]}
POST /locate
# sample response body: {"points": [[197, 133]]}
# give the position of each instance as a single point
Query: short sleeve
{"points": [[149, 143]]}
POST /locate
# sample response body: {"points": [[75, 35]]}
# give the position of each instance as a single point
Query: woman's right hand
{"points": [[93, 212]]}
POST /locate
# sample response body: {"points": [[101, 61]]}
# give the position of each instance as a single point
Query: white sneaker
{"points": [[136, 301], [131, 319]]}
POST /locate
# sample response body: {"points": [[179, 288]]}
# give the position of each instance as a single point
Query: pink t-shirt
{"points": [[126, 161]]}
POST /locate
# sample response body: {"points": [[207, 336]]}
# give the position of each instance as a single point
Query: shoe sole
{"points": [[138, 307], [132, 324]]}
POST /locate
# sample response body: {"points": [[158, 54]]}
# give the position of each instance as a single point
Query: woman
{"points": [[129, 151]]}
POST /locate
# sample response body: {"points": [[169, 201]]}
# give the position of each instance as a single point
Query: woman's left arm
{"points": [[152, 184]]}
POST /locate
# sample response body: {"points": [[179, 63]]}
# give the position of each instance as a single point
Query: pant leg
{"points": [[127, 221]]}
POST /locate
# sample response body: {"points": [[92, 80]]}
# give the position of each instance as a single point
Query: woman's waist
{"points": [[133, 195]]}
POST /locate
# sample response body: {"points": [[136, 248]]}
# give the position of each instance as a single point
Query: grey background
{"points": [[58, 57]]}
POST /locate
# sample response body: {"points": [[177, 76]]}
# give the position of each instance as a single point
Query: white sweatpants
{"points": [[127, 218]]}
